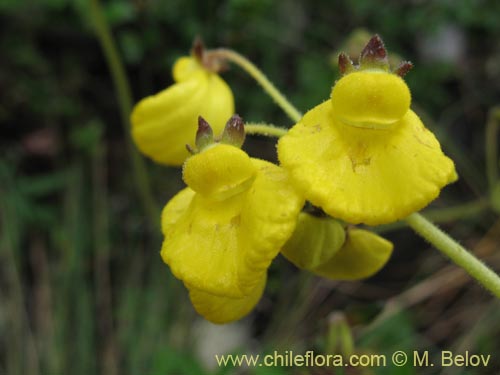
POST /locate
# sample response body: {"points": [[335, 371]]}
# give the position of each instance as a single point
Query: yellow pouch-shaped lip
{"points": [[222, 247], [363, 254], [371, 176], [164, 123], [221, 310]]}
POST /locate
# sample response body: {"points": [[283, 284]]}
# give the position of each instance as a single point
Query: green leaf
{"points": [[42, 185], [391, 335]]}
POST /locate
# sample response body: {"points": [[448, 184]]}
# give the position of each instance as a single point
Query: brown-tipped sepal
{"points": [[234, 132], [210, 60], [374, 55], [403, 68], [346, 65], [198, 49], [204, 134]]}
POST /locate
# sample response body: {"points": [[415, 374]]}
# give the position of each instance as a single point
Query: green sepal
{"points": [[204, 134], [234, 132]]}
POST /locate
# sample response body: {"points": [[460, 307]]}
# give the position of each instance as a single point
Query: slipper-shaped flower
{"points": [[223, 310], [164, 123], [324, 247], [224, 229], [364, 156]]}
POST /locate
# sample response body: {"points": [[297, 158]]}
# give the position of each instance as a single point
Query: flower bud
{"points": [[363, 254], [324, 247], [314, 241]]}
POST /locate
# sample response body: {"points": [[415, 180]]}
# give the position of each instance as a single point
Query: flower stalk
{"points": [[266, 130], [280, 99], [453, 250]]}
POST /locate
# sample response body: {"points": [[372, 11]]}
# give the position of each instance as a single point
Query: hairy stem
{"points": [[458, 254], [260, 77], [265, 130]]}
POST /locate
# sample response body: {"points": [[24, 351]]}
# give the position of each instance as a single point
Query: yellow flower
{"points": [[224, 229], [222, 310], [314, 241], [323, 247], [364, 156], [164, 123], [363, 254]]}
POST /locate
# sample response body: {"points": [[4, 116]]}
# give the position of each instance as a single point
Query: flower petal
{"points": [[269, 217], [164, 123], [222, 310], [314, 241], [361, 175], [223, 248], [185, 67], [201, 243], [363, 254]]}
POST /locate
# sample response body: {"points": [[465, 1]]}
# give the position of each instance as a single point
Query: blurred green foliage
{"points": [[83, 289]]}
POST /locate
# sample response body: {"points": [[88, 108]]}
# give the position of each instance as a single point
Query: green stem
{"points": [[102, 276], [491, 146], [443, 215], [455, 252], [265, 129], [124, 97], [266, 84]]}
